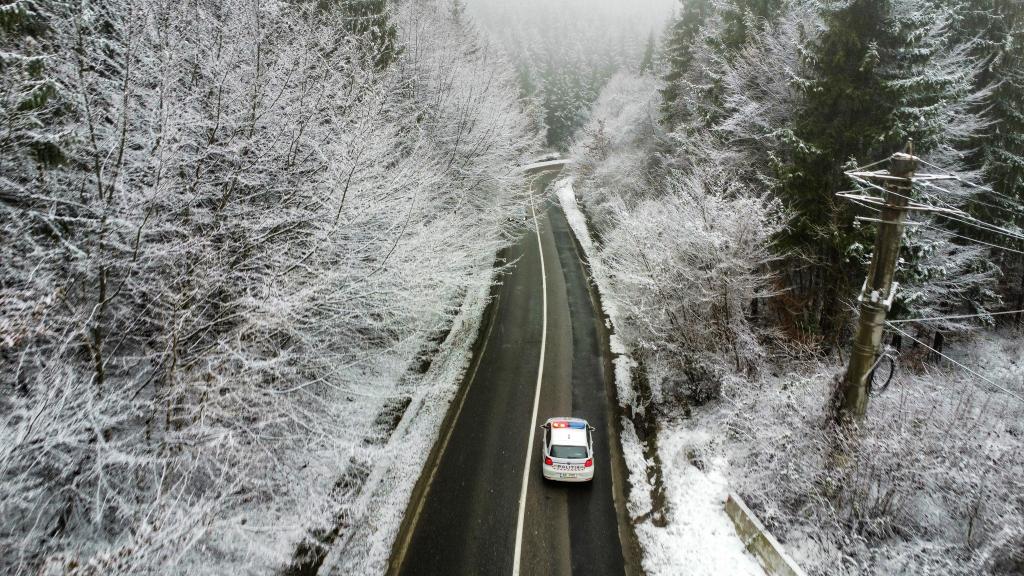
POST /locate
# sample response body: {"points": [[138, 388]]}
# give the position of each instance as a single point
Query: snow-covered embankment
{"points": [[696, 537]]}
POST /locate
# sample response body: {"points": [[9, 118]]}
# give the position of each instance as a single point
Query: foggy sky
{"points": [[545, 17]]}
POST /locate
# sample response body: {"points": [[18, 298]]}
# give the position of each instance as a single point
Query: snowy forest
{"points": [[566, 51], [229, 227], [236, 234], [710, 184]]}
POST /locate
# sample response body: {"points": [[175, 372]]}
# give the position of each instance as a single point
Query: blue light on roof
{"points": [[577, 425]]}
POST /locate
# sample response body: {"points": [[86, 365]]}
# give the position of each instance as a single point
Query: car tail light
{"points": [[547, 461], [588, 463]]}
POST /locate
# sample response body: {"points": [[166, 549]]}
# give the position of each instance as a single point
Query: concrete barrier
{"points": [[758, 541]]}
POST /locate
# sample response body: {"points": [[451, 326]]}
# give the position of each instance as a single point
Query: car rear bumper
{"points": [[558, 476]]}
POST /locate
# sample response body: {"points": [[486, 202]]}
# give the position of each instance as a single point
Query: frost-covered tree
{"points": [[615, 151], [679, 46], [684, 268], [878, 76], [767, 113], [647, 62], [789, 95], [567, 51], [995, 29], [682, 253], [248, 221], [368, 22]]}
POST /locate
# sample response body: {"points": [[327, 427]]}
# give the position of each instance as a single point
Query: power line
{"points": [[915, 206], [872, 165], [937, 199], [958, 317], [953, 213], [986, 227], [1007, 391], [1015, 209], [970, 239], [864, 205], [1011, 204], [974, 185], [949, 211]]}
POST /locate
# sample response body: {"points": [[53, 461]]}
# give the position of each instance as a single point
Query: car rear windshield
{"points": [[568, 451]]}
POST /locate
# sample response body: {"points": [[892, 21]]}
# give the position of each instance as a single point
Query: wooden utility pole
{"points": [[851, 397]]}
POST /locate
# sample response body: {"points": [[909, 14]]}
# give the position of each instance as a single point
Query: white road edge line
{"points": [[536, 396]]}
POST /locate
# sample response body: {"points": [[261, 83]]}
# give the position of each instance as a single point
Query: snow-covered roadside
{"points": [[697, 537], [545, 164], [377, 513], [357, 486]]}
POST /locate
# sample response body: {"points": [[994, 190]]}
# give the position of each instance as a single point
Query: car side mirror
{"points": [[543, 426], [591, 428]]}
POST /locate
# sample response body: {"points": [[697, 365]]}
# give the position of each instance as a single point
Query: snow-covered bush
{"points": [[934, 485]]}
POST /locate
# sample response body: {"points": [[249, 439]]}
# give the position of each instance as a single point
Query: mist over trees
{"points": [[566, 51], [224, 225]]}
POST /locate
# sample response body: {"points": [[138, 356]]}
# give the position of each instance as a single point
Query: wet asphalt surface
{"points": [[467, 523]]}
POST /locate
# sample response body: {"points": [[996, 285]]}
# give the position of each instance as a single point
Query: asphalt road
{"points": [[466, 520]]}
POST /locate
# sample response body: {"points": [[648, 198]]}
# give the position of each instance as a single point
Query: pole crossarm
{"points": [[885, 175], [913, 206]]}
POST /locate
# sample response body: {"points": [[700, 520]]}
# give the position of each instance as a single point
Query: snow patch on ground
{"points": [[640, 501], [624, 380], [699, 538]]}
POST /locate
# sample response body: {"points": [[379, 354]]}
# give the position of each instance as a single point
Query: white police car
{"points": [[568, 450]]}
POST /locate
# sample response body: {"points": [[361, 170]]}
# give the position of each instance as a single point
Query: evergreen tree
{"points": [[741, 18], [880, 74], [31, 90], [1003, 149], [996, 28], [369, 20], [458, 11], [679, 54], [647, 62]]}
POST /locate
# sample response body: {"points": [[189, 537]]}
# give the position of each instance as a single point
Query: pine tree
{"points": [[457, 9], [30, 88], [370, 21], [679, 53], [996, 30], [1003, 149], [741, 18], [647, 62], [880, 75]]}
